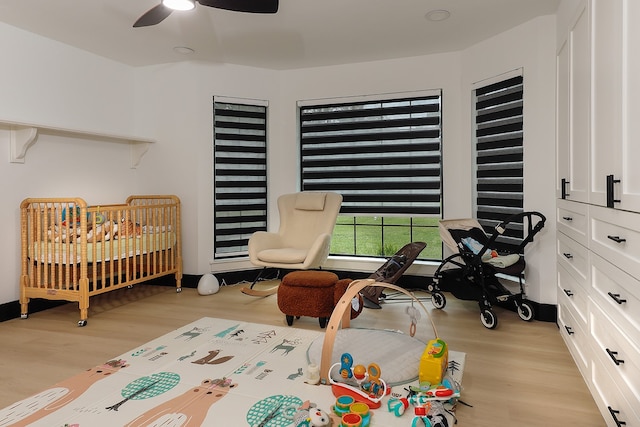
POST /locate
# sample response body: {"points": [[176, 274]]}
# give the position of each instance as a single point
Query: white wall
{"points": [[47, 83], [442, 71], [174, 104], [530, 46], [52, 84]]}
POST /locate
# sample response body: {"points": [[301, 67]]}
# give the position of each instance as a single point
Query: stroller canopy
{"points": [[466, 225]]}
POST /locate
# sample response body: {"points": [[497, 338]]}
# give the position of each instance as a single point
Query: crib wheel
{"points": [[438, 300], [82, 323], [178, 290], [488, 319], [24, 316], [525, 311]]}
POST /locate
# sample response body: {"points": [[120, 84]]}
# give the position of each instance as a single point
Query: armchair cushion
{"points": [[310, 201], [283, 256]]}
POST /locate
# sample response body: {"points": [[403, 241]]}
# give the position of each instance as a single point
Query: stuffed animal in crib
{"points": [[128, 229], [309, 415], [111, 229], [101, 232], [105, 231]]}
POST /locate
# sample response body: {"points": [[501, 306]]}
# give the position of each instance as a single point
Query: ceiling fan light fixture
{"points": [[179, 4]]}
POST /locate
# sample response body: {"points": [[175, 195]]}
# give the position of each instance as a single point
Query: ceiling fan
{"points": [[158, 13]]}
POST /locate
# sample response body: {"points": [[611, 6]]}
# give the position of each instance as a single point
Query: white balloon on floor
{"points": [[208, 284]]}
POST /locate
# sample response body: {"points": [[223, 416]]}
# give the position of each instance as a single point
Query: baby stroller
{"points": [[470, 273]]}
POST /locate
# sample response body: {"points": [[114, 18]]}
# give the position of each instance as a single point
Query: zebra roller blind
{"points": [[383, 156], [499, 156], [240, 174]]}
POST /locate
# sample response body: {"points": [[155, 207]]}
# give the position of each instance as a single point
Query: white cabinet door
{"points": [[562, 126], [606, 137], [628, 169], [615, 139], [574, 85]]}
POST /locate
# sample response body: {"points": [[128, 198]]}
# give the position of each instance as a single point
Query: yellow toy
{"points": [[434, 362]]}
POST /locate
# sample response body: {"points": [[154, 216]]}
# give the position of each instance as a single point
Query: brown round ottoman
{"points": [[307, 293]]}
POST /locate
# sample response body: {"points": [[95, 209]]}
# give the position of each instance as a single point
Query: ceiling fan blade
{"points": [[251, 6], [153, 16]]}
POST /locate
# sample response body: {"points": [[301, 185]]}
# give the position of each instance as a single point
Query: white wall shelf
{"points": [[23, 135]]}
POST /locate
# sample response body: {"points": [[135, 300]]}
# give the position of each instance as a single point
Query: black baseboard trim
{"points": [[11, 310], [546, 312]]}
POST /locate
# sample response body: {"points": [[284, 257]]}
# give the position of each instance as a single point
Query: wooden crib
{"points": [[71, 251]]}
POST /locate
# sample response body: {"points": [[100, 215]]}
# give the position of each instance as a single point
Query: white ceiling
{"points": [[304, 33]]}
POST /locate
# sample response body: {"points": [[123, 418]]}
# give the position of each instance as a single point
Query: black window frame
{"points": [[382, 153], [240, 174], [499, 156]]}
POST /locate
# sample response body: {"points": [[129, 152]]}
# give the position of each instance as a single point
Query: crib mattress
{"points": [[69, 253]]}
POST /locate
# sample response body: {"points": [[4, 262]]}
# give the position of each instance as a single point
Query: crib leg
{"points": [[179, 281], [83, 302], [24, 301]]}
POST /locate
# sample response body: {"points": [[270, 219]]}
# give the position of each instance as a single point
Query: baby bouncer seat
{"points": [[471, 273]]}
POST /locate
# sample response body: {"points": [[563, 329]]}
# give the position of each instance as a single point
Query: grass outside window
{"points": [[384, 236]]}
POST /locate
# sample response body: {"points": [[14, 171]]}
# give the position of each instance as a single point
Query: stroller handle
{"points": [[534, 225]]}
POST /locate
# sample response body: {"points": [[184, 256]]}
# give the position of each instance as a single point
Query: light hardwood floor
{"points": [[520, 374]]}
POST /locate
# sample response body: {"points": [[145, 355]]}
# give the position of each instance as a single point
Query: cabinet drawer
{"points": [[618, 294], [615, 235], [572, 220], [614, 346], [615, 400], [574, 336], [574, 257], [574, 294]]}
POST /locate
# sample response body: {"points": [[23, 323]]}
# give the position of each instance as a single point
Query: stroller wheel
{"points": [[488, 318], [438, 300], [525, 311]]}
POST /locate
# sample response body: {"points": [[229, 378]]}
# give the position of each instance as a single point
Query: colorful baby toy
{"points": [[362, 384], [434, 362], [428, 402], [307, 415], [351, 412]]}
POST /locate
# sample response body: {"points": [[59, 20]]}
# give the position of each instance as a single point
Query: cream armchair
{"points": [[302, 242]]}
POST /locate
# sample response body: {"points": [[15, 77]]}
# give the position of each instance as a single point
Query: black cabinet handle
{"points": [[614, 356], [567, 255], [616, 298], [567, 218], [568, 292], [563, 190], [610, 197], [614, 415], [569, 330], [617, 239]]}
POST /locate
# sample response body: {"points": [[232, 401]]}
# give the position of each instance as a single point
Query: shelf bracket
{"points": [[20, 139], [138, 149]]}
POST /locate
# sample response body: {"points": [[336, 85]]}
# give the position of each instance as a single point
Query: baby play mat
{"points": [[212, 372], [397, 354]]}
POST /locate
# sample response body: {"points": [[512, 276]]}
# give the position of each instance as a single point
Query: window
{"points": [[499, 156], [240, 175], [384, 156]]}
